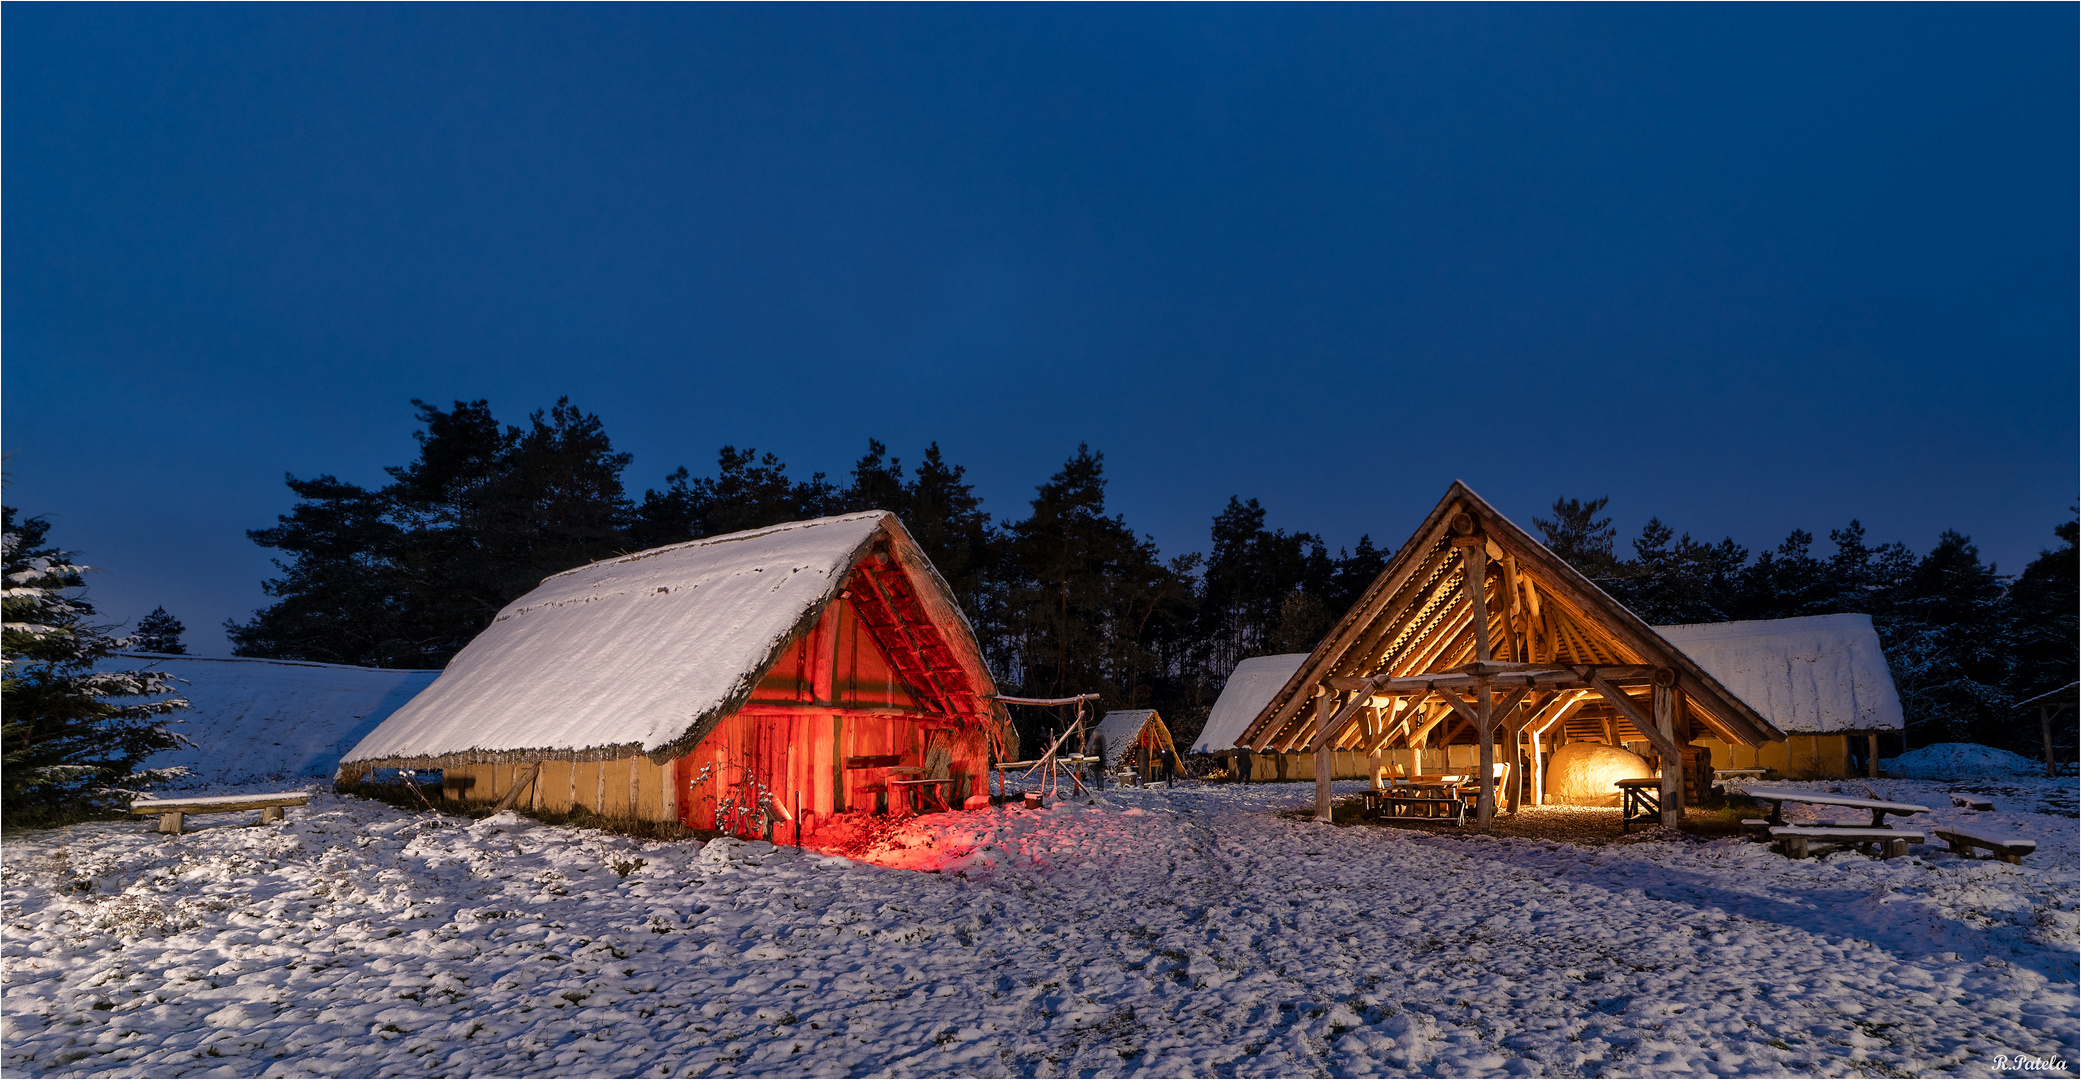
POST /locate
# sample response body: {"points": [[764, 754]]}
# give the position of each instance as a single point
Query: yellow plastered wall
{"points": [[1799, 755]]}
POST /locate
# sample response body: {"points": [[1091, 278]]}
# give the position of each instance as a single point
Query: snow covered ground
{"points": [[271, 721], [1206, 932], [1943, 761]]}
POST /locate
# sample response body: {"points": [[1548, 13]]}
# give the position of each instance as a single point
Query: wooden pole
{"points": [[1474, 555], [1871, 752], [1373, 765], [2045, 725], [1664, 702], [1485, 726], [1538, 774], [1325, 705]]}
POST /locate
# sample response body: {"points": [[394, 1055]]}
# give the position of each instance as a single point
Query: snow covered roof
{"points": [[1821, 673], [1122, 727], [271, 720], [648, 652], [1249, 689]]}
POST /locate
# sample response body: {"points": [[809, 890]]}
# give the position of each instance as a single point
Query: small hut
{"points": [[1476, 639], [719, 683], [1135, 736], [1821, 679]]}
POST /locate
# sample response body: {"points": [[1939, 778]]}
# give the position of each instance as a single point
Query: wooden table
{"points": [[905, 789], [1640, 799], [1778, 797]]}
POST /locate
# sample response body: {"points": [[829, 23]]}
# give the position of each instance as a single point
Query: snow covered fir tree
{"points": [[73, 736]]}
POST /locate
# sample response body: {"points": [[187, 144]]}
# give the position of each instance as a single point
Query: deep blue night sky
{"points": [[1747, 268]]}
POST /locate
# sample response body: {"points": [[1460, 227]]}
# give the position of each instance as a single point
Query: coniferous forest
{"points": [[1065, 596]]}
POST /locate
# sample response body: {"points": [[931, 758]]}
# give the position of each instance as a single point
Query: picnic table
{"points": [[1778, 797], [1425, 795]]}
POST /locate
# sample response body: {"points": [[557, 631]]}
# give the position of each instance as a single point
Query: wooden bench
{"points": [[1640, 801], [173, 813], [2009, 849], [1389, 804], [1795, 839], [1778, 797], [1972, 802]]}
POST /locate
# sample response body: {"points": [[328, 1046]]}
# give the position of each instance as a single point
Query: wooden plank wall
{"points": [[806, 718]]}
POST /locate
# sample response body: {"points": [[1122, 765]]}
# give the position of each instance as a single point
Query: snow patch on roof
{"points": [[1817, 674], [1250, 687], [258, 721], [630, 651]]}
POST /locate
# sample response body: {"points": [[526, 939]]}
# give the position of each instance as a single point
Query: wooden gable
{"points": [[1476, 625]]}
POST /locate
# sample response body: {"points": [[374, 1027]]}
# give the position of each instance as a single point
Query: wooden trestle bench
{"points": [[1891, 843], [173, 813], [2009, 849]]}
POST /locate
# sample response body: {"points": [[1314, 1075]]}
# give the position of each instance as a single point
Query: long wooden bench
{"points": [[1423, 808], [2009, 849], [1796, 839], [173, 813]]}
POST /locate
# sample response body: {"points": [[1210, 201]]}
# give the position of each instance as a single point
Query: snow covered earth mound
{"points": [[1202, 932], [1952, 760]]}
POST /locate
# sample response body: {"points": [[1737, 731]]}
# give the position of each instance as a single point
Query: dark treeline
{"points": [[1067, 598]]}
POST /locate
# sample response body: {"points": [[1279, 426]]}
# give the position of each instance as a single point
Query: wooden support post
{"points": [[1474, 556], [1374, 772], [1325, 705], [1871, 754], [1664, 701], [1485, 727], [1538, 774], [2045, 725]]}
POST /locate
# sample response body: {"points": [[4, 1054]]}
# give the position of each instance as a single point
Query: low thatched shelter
{"points": [[822, 661], [1135, 736]]}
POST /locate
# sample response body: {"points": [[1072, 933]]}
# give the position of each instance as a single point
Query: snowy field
{"points": [[1200, 933]]}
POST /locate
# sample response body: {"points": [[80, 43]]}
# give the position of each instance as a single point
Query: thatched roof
{"points": [[1250, 687], [1817, 674], [646, 653], [1121, 729]]}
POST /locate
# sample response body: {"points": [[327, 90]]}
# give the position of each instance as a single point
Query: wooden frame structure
{"points": [[2049, 706], [1412, 666]]}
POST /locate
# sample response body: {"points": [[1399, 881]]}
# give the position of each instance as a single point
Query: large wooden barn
{"points": [[715, 683], [1477, 637]]}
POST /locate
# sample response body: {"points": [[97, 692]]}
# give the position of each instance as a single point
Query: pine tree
{"points": [[749, 490], [1581, 538], [407, 575], [1677, 582], [2042, 639], [1943, 641], [71, 737], [1088, 597], [158, 633]]}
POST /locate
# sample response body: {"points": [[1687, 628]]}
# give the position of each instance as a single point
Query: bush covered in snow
{"points": [[1946, 761]]}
